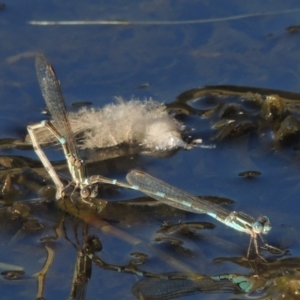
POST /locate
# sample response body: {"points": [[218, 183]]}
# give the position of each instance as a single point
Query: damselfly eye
{"points": [[258, 227], [265, 221], [85, 192], [94, 191]]}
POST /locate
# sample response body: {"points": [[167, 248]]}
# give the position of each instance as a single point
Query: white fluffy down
{"points": [[143, 123]]}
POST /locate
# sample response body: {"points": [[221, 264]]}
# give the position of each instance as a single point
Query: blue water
{"points": [[97, 63]]}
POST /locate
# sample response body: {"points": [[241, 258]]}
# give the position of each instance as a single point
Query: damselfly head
{"points": [[85, 192], [266, 224], [262, 225], [90, 191]]}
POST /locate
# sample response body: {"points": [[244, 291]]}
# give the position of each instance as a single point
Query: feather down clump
{"points": [[146, 124]]}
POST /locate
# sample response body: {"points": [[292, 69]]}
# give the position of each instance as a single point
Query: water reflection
{"points": [[28, 214], [268, 280], [265, 281]]}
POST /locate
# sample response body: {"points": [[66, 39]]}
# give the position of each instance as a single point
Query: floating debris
{"points": [[145, 124], [12, 274], [250, 174], [293, 29], [143, 85]]}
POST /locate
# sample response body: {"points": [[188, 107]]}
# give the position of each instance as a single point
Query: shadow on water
{"points": [[124, 247]]}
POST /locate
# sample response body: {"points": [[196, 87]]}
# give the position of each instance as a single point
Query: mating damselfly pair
{"points": [[137, 180]]}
